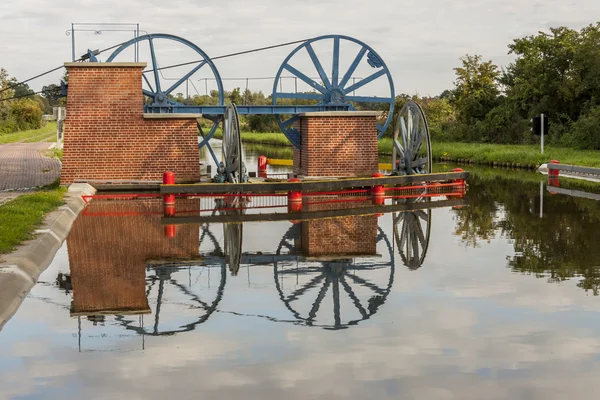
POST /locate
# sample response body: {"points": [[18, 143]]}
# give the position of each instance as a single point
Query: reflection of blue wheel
{"points": [[159, 96], [336, 89], [345, 278]]}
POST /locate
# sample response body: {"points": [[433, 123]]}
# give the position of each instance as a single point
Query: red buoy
{"points": [[262, 166], [553, 172], [294, 198], [168, 178], [378, 192]]}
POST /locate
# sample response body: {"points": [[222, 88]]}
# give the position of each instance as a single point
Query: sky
{"points": [[420, 41]]}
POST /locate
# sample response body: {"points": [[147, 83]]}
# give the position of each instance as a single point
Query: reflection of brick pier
{"points": [[350, 235], [108, 253]]}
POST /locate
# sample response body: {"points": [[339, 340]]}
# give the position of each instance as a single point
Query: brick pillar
{"points": [[108, 138], [337, 144]]}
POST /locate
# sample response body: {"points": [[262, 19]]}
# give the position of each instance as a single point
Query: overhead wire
{"points": [[85, 57], [54, 69]]}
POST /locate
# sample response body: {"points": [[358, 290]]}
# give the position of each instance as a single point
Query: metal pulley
{"points": [[232, 158]]}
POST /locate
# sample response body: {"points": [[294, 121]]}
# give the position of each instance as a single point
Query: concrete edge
{"points": [[106, 64], [342, 114], [20, 270]]}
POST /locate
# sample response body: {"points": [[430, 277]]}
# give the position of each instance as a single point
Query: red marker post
{"points": [[169, 203], [378, 192]]}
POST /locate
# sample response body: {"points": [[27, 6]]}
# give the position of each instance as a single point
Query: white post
{"points": [[542, 131]]}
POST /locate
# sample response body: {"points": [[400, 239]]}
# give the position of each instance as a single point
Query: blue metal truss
{"points": [[332, 94]]}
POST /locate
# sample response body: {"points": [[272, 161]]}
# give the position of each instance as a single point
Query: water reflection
{"points": [[326, 271], [558, 244]]}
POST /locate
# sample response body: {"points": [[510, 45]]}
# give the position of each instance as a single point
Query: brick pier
{"points": [[108, 138]]}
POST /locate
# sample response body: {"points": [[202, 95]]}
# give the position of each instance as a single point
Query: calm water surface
{"points": [[503, 304]]}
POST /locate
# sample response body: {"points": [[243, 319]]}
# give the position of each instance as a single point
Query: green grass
{"points": [[47, 133], [522, 155], [527, 156], [20, 217], [271, 138], [55, 153]]}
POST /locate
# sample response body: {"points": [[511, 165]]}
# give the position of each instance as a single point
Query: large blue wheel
{"points": [[158, 95], [339, 87]]}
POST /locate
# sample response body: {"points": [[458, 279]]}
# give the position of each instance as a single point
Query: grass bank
{"points": [[523, 156], [47, 133], [271, 138], [20, 217]]}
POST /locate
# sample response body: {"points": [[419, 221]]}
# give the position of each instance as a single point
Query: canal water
{"points": [[493, 299]]}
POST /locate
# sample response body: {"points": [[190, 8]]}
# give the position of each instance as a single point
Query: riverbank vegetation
{"points": [[20, 108], [20, 217]]}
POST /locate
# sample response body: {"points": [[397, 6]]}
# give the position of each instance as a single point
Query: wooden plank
{"points": [[574, 193], [337, 184], [574, 168], [309, 215]]}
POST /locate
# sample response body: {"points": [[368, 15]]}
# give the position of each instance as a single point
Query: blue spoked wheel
{"points": [[158, 95], [337, 88]]}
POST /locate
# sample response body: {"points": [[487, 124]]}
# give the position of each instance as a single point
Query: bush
{"points": [[27, 113], [585, 133]]}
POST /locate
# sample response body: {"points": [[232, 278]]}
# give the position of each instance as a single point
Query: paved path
{"points": [[23, 167]]}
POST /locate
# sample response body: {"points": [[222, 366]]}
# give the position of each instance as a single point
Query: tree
{"points": [[476, 90], [556, 73]]}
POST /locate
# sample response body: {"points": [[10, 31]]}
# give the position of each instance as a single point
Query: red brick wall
{"points": [[106, 137], [337, 146], [339, 236], [109, 245]]}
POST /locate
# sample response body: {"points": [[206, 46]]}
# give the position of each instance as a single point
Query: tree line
{"points": [[20, 108]]}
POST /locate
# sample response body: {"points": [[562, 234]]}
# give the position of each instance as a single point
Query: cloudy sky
{"points": [[421, 41]]}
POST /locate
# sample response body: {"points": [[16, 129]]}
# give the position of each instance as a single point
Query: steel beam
{"points": [[243, 110], [308, 185]]}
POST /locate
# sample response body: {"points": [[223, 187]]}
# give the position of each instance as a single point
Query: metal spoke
{"points": [[353, 297], [318, 66], [336, 302], [154, 65], [299, 292], [148, 93], [352, 67], [399, 148], [363, 82], [423, 215], [419, 162], [420, 234], [305, 78], [315, 308], [366, 283], [148, 82], [336, 62], [185, 77]]}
